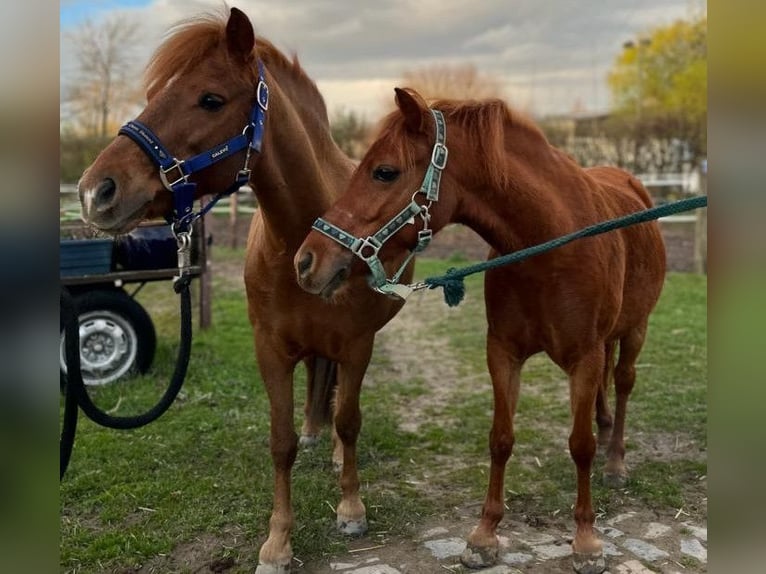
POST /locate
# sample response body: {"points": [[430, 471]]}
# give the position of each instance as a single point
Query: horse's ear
{"points": [[240, 38], [412, 109]]}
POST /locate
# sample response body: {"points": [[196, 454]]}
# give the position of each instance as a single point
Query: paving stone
{"points": [[438, 531], [445, 547], [610, 549], [376, 569], [610, 531], [620, 517], [697, 531], [535, 538], [516, 557], [499, 569], [337, 566], [644, 550], [632, 567], [550, 551], [693, 547], [656, 530]]}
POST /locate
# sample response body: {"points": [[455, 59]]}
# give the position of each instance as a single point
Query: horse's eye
{"points": [[385, 173], [211, 102]]}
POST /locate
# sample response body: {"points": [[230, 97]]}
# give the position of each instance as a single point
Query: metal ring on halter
{"points": [[164, 174], [262, 96], [435, 156], [370, 242]]}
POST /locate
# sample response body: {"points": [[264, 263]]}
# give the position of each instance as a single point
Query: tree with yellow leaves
{"points": [[659, 83]]}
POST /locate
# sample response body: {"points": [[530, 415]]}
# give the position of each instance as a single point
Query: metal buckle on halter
{"points": [[424, 238], [164, 175], [361, 244], [435, 156], [262, 95]]}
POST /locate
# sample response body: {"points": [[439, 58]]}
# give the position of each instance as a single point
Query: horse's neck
{"points": [[300, 172], [543, 198]]}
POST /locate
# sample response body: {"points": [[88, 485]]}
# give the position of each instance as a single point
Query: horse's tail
{"points": [[641, 191], [610, 351], [322, 379]]}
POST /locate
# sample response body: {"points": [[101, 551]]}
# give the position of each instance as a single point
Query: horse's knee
{"points": [[582, 448], [284, 450], [347, 426], [624, 378], [501, 445]]}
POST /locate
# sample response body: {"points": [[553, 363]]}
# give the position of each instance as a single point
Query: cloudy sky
{"points": [[549, 54]]}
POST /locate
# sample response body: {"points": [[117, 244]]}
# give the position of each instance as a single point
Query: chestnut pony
{"points": [[499, 176], [203, 84]]}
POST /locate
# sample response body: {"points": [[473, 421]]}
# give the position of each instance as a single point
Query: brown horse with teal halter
{"points": [[211, 87], [577, 303]]}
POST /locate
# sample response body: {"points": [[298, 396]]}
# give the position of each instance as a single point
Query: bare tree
{"points": [[461, 81], [350, 131], [106, 85]]}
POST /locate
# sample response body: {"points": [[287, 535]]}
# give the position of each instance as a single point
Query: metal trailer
{"points": [[117, 335]]}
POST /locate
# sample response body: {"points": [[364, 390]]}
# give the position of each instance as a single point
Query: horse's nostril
{"points": [[105, 193], [305, 263]]}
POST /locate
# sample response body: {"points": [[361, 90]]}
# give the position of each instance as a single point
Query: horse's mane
{"points": [[192, 39], [484, 123]]}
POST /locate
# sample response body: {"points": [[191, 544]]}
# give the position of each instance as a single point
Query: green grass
{"points": [[203, 470]]}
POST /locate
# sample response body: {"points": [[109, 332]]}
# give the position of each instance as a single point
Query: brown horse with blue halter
{"points": [[242, 112], [577, 303]]}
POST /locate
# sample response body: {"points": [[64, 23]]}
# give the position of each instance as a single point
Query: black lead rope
{"points": [[77, 396]]}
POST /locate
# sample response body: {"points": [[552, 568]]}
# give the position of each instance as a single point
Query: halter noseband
{"points": [[367, 249], [175, 173]]}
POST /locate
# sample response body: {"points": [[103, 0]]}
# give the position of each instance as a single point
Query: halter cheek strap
{"points": [[175, 173], [367, 249]]}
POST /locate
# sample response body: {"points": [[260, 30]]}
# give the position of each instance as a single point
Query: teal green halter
{"points": [[367, 249]]}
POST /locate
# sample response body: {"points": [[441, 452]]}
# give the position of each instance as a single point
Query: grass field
{"points": [[198, 481]]}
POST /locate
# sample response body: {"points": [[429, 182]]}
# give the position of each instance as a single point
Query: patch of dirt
{"points": [[406, 341], [205, 554]]}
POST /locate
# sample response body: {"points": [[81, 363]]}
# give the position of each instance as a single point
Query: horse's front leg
{"points": [[351, 513], [505, 370], [277, 374], [584, 381]]}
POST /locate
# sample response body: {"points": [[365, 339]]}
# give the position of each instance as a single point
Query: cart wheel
{"points": [[116, 337]]}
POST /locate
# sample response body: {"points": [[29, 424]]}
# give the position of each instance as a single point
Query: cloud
{"points": [[558, 50]]}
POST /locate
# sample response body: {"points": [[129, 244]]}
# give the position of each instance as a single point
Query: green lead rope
{"points": [[452, 280]]}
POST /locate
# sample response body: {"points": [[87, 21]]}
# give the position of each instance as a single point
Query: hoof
{"points": [[479, 557], [308, 440], [273, 569], [352, 527], [615, 479], [588, 563]]}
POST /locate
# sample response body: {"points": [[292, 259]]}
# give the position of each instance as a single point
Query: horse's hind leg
{"points": [[320, 386], [311, 427], [482, 547], [604, 419], [615, 473]]}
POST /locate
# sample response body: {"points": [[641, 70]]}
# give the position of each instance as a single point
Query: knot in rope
{"points": [[453, 285]]}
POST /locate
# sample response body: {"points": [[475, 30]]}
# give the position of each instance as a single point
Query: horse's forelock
{"points": [[191, 40]]}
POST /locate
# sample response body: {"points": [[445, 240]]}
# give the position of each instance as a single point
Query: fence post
{"points": [[233, 211], [205, 279], [700, 226]]}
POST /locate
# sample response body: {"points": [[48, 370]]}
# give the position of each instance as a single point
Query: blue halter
{"points": [[367, 249], [175, 173]]}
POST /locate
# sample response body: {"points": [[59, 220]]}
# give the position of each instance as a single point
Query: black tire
{"points": [[117, 337]]}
